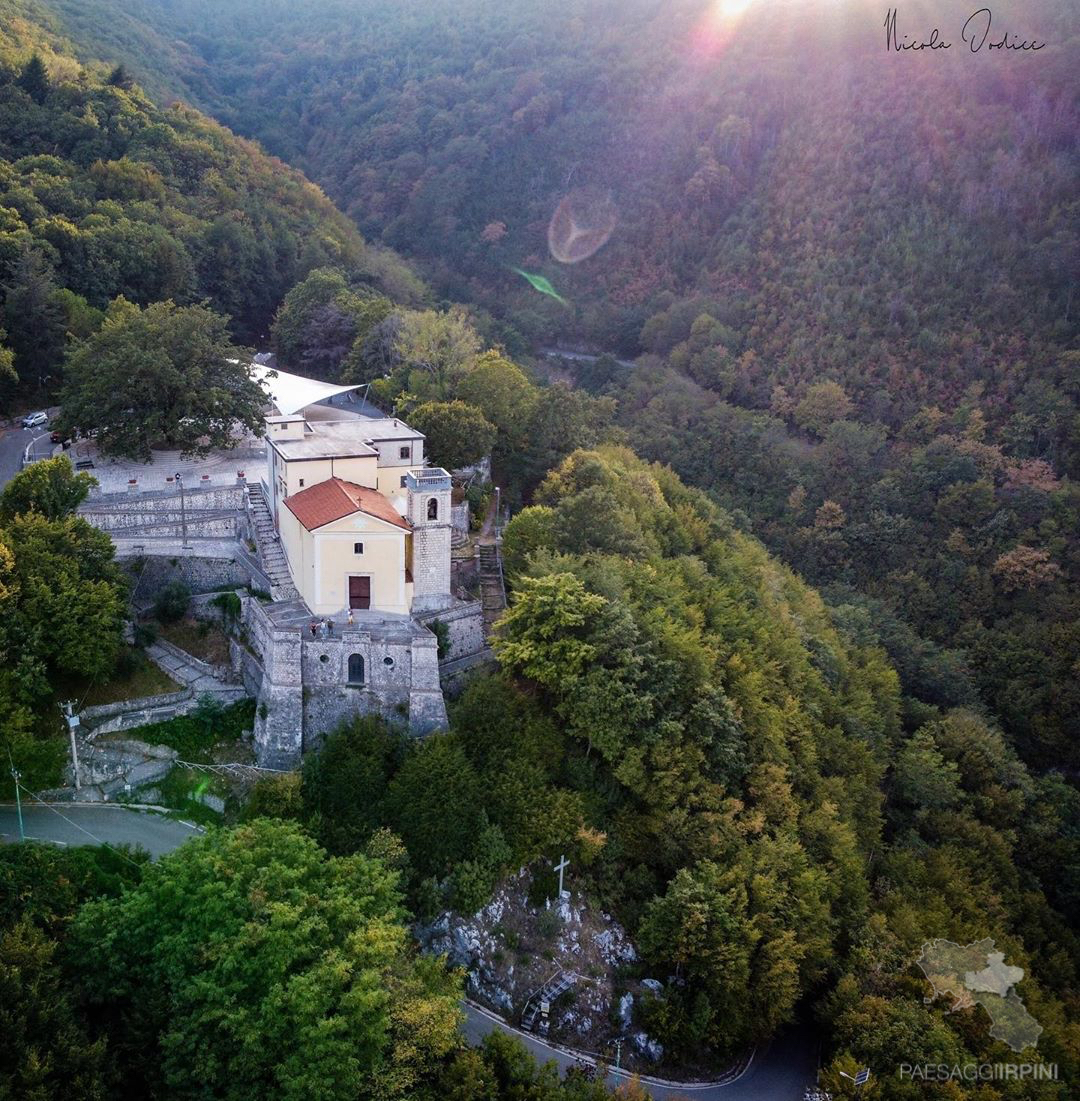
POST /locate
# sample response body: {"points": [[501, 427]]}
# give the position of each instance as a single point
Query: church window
{"points": [[433, 509]]}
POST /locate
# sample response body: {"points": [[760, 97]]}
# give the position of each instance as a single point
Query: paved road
{"points": [[581, 357], [89, 823], [779, 1074], [12, 444]]}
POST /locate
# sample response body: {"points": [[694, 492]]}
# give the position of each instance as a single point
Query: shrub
{"points": [[442, 632], [275, 797], [171, 603], [229, 606]]}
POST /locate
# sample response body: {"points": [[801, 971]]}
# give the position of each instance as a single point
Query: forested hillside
{"points": [[849, 276], [104, 194], [848, 211], [725, 761], [796, 689]]}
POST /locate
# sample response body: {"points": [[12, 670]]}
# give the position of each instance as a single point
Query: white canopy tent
{"points": [[292, 393]]}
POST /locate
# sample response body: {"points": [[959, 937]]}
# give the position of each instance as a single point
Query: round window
{"points": [[388, 661], [324, 658]]}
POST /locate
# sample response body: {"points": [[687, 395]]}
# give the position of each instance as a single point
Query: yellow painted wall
{"points": [[299, 549], [362, 471], [321, 562], [390, 480]]}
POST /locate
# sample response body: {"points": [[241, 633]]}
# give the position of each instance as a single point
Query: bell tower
{"points": [[429, 514]]}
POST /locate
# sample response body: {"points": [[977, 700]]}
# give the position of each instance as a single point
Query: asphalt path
{"points": [[779, 1073], [12, 445], [93, 823]]}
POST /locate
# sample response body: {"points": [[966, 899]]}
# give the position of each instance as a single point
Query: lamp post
{"points": [[183, 514]]}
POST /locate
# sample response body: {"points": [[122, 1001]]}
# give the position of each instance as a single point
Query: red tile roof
{"points": [[335, 498]]}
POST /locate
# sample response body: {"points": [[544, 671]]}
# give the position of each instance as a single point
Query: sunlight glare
{"points": [[718, 26]]}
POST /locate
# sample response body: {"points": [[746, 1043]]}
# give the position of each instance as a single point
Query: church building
{"points": [[365, 528], [364, 524]]}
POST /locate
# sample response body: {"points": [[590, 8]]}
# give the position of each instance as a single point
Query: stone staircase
{"points": [[271, 553], [188, 670], [492, 586]]}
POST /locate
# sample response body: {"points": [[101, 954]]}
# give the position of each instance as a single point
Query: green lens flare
{"points": [[543, 285]]}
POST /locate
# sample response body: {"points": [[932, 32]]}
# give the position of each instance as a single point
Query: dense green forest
{"points": [[903, 228], [104, 194], [792, 663], [855, 217]]}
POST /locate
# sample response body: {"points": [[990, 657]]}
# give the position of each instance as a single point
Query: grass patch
{"points": [[195, 736], [135, 676], [205, 641]]}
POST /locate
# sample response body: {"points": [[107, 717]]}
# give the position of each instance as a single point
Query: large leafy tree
{"points": [[322, 321], [34, 316], [165, 376], [44, 1049], [502, 392], [249, 963], [51, 488], [436, 351], [62, 607], [457, 434]]}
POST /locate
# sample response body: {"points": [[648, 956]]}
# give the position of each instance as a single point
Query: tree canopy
{"points": [[457, 434], [309, 989], [50, 487], [165, 376]]}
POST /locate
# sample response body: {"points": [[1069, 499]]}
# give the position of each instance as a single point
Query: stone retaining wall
{"points": [[150, 573], [209, 513], [128, 714], [466, 627]]}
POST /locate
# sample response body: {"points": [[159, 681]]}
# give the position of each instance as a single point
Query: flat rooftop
{"points": [[386, 428], [344, 438]]}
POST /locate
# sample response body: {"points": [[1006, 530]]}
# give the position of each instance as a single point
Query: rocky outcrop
{"points": [[120, 767], [513, 952]]}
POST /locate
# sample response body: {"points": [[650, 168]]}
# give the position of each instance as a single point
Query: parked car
{"points": [[35, 420]]}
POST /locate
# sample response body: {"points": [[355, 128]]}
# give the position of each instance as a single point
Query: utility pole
{"points": [[183, 514], [68, 708], [15, 775], [618, 1053]]}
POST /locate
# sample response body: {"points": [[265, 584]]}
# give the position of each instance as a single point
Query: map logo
{"points": [[976, 974]]}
